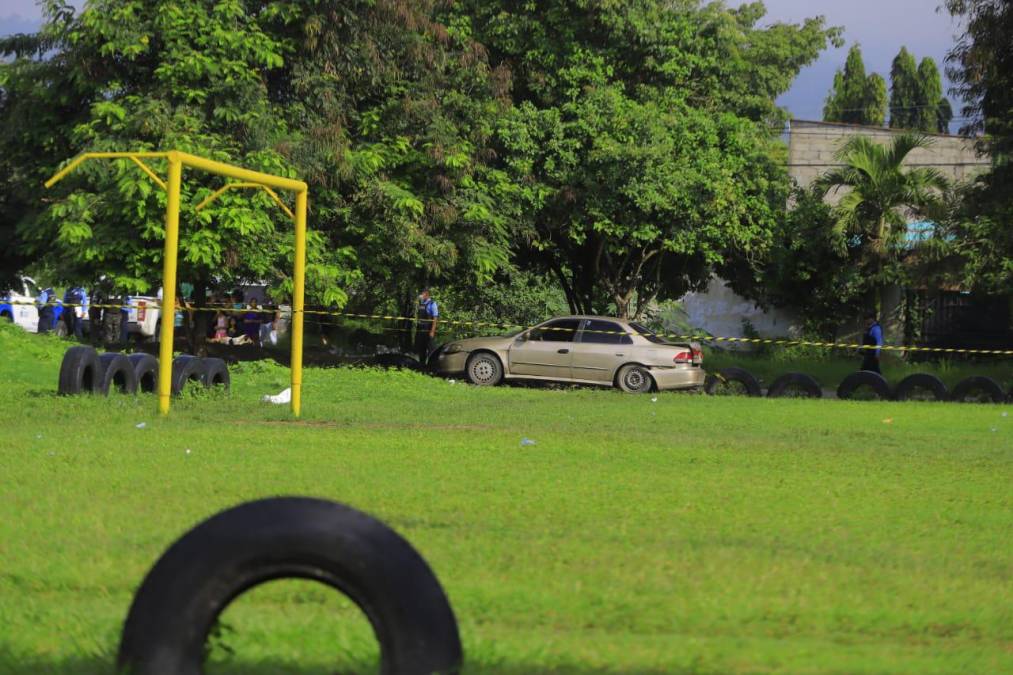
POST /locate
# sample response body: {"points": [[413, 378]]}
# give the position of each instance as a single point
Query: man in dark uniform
{"points": [[425, 332], [873, 337]]}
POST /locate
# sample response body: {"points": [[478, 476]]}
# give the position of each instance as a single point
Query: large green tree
{"points": [[905, 89], [381, 107], [642, 139], [855, 98], [934, 110], [876, 197]]}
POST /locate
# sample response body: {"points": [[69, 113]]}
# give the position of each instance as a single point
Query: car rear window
{"points": [[604, 333], [648, 334]]}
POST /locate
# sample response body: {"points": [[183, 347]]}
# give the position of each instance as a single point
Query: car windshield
{"points": [[31, 289], [648, 334]]}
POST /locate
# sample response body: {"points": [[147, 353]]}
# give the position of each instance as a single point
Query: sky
{"points": [[880, 26]]}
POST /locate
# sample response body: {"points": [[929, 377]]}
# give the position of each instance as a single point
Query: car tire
{"points": [[117, 372], [290, 537], [186, 369], [907, 387], [864, 378], [985, 385], [484, 369], [216, 374], [80, 371], [800, 381], [145, 371], [740, 375], [634, 379]]}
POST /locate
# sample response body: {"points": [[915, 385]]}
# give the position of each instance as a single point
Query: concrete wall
{"points": [[720, 311], [813, 145]]}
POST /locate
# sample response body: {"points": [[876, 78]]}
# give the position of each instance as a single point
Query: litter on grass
{"points": [[527, 441], [141, 425], [283, 397]]}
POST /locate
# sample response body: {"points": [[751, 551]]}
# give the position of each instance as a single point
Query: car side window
{"points": [[604, 333], [563, 330]]}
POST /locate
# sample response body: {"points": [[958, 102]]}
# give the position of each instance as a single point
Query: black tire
{"points": [[146, 372], [216, 374], [732, 375], [801, 382], [290, 537], [186, 369], [117, 372], [864, 378], [80, 371], [912, 383], [986, 386], [634, 378], [484, 369]]}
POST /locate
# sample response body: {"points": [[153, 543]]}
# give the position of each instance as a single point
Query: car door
{"points": [[545, 351], [602, 347]]}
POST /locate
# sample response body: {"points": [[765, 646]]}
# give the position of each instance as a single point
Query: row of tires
{"points": [[912, 387], [85, 371]]}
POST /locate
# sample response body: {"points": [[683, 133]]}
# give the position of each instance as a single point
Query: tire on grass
{"points": [[186, 369], [290, 537], [484, 369], [806, 385], [907, 387], [864, 378], [117, 372], [80, 371], [739, 376], [216, 374], [146, 372], [986, 387]]}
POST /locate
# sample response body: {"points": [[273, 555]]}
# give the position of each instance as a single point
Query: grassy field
{"points": [[683, 535]]}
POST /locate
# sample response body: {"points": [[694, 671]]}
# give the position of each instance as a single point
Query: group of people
{"points": [[239, 323]]}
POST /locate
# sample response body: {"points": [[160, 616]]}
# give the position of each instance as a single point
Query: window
{"points": [[562, 330], [604, 333], [648, 334]]}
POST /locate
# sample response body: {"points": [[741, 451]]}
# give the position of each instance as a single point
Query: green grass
{"points": [[687, 535]]}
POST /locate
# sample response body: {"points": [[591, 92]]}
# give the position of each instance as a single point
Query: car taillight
{"points": [[683, 357], [140, 311]]}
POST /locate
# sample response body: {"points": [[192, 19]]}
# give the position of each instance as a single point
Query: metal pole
{"points": [[298, 288], [168, 309]]}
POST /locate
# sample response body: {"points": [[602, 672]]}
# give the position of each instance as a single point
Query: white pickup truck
{"points": [[144, 316], [19, 305]]}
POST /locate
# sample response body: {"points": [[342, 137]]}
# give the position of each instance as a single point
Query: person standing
{"points": [[425, 332], [873, 341], [251, 322], [46, 311], [75, 308]]}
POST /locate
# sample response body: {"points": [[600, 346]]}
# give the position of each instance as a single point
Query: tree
{"points": [[855, 98], [981, 68], [904, 91], [934, 111], [877, 197], [640, 139]]}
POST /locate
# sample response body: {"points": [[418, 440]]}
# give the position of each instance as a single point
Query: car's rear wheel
{"points": [[635, 379], [484, 369]]}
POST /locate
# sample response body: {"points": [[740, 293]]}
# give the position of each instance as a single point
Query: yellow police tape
{"points": [[488, 324]]}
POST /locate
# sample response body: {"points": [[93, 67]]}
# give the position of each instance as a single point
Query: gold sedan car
{"points": [[584, 349]]}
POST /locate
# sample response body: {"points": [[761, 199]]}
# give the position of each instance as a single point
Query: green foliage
{"points": [[904, 91], [639, 138], [934, 110], [876, 197], [855, 98]]}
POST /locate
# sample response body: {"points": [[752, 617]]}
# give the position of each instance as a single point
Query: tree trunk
{"points": [[197, 328]]}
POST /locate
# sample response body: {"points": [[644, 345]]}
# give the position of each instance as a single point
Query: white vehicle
{"points": [[144, 316], [19, 305]]}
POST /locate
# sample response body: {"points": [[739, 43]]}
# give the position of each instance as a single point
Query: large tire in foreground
{"points": [[216, 374], [146, 372], [634, 379], [984, 389], [117, 372], [484, 369], [908, 387], [864, 378], [186, 369], [790, 383], [80, 371], [290, 537], [732, 378]]}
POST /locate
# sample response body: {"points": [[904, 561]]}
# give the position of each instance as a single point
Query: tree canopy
{"points": [[855, 98]]}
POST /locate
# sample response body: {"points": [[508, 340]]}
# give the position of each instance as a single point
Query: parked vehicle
{"points": [[584, 349], [20, 306]]}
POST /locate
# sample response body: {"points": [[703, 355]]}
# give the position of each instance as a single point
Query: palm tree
{"points": [[880, 198]]}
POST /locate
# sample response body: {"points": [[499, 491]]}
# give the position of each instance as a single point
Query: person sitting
{"points": [[251, 322]]}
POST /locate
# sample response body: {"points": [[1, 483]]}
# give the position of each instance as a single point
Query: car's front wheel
{"points": [[484, 369], [634, 379]]}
